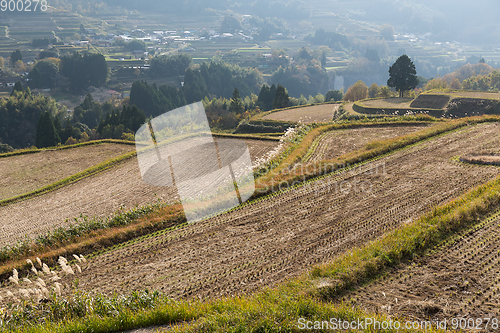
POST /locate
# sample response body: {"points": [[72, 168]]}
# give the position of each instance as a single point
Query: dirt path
{"points": [[99, 195], [281, 237]]}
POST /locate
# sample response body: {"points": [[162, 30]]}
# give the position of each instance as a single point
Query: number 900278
{"points": [[23, 5]]}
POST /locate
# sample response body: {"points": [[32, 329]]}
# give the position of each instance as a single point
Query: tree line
{"points": [[76, 72]]}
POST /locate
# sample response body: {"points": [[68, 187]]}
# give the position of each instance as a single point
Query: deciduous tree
{"points": [[15, 56], [356, 92]]}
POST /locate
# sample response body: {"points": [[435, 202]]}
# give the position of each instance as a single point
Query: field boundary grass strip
{"points": [[28, 151], [247, 136], [69, 180]]}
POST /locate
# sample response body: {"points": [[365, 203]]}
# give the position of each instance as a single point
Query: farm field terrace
{"points": [[25, 173], [99, 195], [336, 143], [459, 279], [280, 237], [307, 115]]}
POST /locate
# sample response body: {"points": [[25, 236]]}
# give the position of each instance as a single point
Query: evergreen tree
{"points": [[281, 100], [15, 56], [46, 135], [18, 86], [58, 126], [132, 118], [402, 75], [67, 132], [266, 97], [323, 60], [236, 102]]}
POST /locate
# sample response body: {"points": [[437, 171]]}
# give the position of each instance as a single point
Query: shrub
{"points": [[70, 141], [5, 148]]}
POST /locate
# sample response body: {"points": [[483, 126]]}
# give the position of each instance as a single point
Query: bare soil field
{"points": [[98, 195], [308, 114], [339, 142], [430, 101], [25, 173], [278, 238], [461, 280], [395, 102], [470, 94]]}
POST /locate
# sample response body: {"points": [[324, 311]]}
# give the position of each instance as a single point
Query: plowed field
{"points": [[339, 142], [280, 237], [308, 114], [460, 281], [99, 195], [25, 173]]}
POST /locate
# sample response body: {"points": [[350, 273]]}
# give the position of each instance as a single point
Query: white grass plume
{"points": [[41, 282], [15, 277], [46, 269]]}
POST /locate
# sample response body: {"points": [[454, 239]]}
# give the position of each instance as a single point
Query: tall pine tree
{"points": [[236, 102], [281, 99]]}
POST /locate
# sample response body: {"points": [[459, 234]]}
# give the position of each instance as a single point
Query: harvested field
{"points": [[308, 114], [25, 173], [430, 101], [470, 94], [99, 195], [339, 142], [395, 102], [460, 280], [280, 237]]}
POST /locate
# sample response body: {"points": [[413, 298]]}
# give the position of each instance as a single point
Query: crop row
{"points": [[273, 239]]}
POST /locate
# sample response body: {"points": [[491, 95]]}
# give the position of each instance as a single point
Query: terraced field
{"points": [[308, 114], [25, 173], [339, 142], [99, 195], [462, 279], [280, 237]]}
